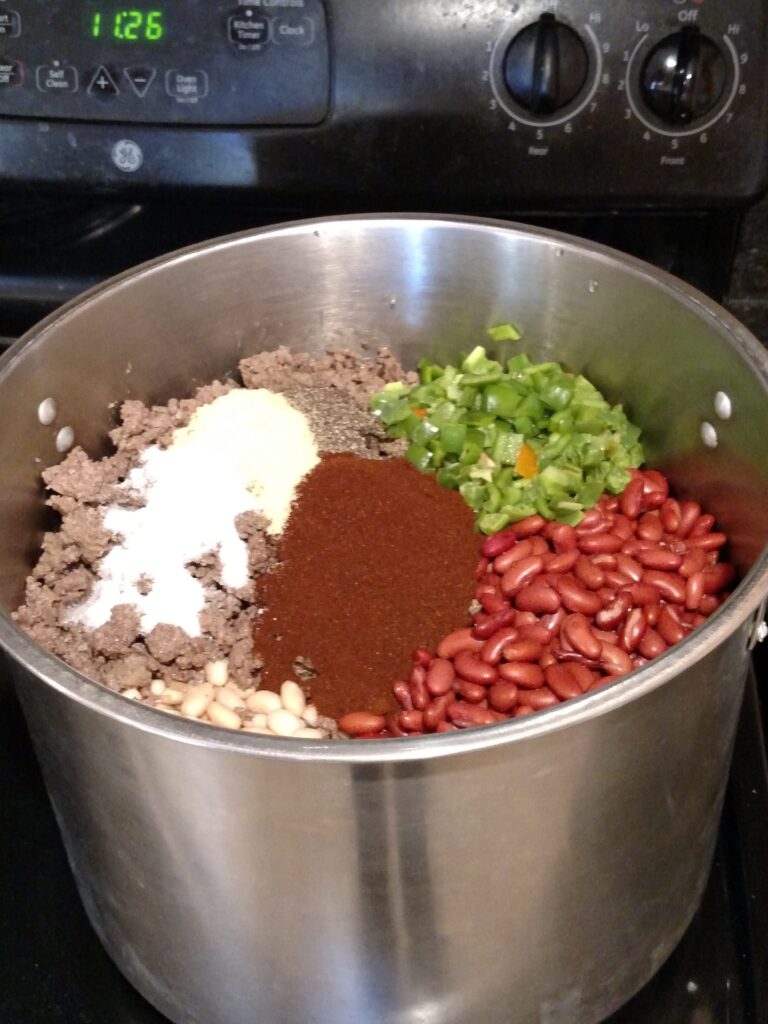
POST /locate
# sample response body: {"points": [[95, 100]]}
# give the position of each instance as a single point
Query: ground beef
{"points": [[336, 386]]}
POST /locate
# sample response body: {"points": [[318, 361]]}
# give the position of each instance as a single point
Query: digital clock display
{"points": [[127, 24]]}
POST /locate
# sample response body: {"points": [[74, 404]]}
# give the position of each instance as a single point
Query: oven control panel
{"points": [[190, 62], [404, 104]]}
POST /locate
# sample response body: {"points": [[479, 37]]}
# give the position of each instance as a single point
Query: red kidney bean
{"points": [[498, 543], [437, 712], [718, 578], [672, 587], [659, 558], [458, 640], [355, 723], [537, 597], [610, 616], [693, 561], [615, 659], [529, 526], [623, 527], [502, 696], [392, 724], [561, 563], [537, 632], [583, 675], [548, 658], [523, 549], [669, 513], [629, 567], [492, 602], [446, 727], [494, 646], [689, 516], [632, 546], [588, 573], [631, 499], [464, 715], [602, 543], [604, 561], [612, 677], [472, 692], [524, 674], [652, 612], [669, 628], [577, 598], [649, 527], [402, 692], [539, 546], [704, 525], [537, 699], [562, 682], [411, 721], [709, 603], [482, 568], [694, 591], [608, 503], [521, 710], [440, 676], [419, 693], [592, 519], [606, 636], [651, 644], [633, 630], [655, 483], [552, 622], [422, 657], [523, 650], [493, 623], [577, 630], [520, 574], [564, 538], [468, 666], [708, 542], [642, 593], [616, 580]]}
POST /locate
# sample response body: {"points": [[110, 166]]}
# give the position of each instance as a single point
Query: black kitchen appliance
{"points": [[128, 132]]}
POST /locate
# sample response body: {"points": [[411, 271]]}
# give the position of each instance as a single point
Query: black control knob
{"points": [[683, 76], [546, 66]]}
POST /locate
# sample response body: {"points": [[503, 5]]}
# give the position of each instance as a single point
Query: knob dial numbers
{"points": [[546, 72], [682, 84]]}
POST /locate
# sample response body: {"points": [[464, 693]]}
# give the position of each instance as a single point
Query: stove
{"points": [[127, 134]]}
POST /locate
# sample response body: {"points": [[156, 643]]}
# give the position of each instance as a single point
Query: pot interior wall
{"points": [[422, 288]]}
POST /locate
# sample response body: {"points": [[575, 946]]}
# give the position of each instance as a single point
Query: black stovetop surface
{"points": [[54, 971]]}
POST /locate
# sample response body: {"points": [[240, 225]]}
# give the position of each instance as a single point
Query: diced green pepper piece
{"points": [[453, 436], [419, 456], [504, 332]]}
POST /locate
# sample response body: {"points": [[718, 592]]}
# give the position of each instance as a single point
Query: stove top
{"points": [[53, 969]]}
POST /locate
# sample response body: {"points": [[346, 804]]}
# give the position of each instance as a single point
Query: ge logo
{"points": [[127, 156]]}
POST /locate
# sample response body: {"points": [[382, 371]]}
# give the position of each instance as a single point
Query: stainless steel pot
{"points": [[536, 871]]}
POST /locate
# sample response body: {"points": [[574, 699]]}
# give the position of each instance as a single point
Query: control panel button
{"points": [[11, 73], [248, 32], [10, 24], [293, 31], [103, 84], [546, 66], [186, 86], [683, 77], [57, 77], [140, 79]]}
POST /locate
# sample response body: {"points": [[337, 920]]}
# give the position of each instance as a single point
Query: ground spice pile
{"points": [[376, 560]]}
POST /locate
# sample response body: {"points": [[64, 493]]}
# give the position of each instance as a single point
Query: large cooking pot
{"points": [[538, 870]]}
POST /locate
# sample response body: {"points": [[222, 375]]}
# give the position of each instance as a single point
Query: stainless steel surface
{"points": [[536, 871]]}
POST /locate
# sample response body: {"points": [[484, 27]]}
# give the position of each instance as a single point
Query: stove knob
{"points": [[546, 66], [683, 76]]}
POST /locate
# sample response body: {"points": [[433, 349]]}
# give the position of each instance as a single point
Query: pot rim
{"points": [[746, 598]]}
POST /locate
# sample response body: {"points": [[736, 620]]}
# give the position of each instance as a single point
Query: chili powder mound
{"points": [[376, 559]]}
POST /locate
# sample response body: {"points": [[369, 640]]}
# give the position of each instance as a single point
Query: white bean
{"points": [[310, 734], [217, 672], [283, 723], [264, 701], [197, 700], [310, 715], [259, 721], [228, 699], [157, 687], [133, 693], [220, 715], [292, 696], [171, 697]]}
